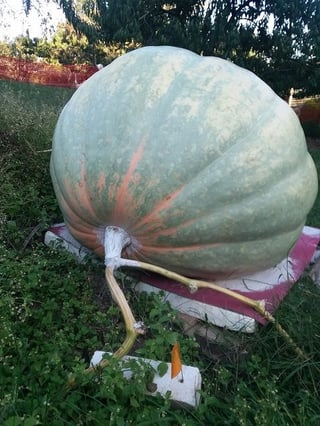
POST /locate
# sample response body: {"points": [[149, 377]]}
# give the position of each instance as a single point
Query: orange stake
{"points": [[176, 364]]}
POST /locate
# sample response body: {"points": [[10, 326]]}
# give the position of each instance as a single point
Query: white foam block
{"points": [[67, 242], [219, 317], [186, 392]]}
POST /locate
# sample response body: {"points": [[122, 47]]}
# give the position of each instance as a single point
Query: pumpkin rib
{"points": [[236, 206], [71, 214], [92, 239], [122, 192], [79, 194], [198, 247], [61, 195], [80, 188], [70, 209], [73, 206], [224, 268]]}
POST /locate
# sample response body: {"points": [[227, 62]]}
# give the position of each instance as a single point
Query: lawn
{"points": [[55, 312]]}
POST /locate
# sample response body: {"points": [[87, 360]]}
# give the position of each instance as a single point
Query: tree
{"points": [[147, 22], [5, 49], [277, 39], [68, 47]]}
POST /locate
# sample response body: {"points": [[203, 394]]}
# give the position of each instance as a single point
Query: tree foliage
{"points": [[66, 47], [277, 39]]}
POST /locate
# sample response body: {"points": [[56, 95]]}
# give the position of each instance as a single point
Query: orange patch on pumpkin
{"points": [[149, 250], [71, 215], [87, 237], [101, 182], [68, 205], [124, 200], [153, 220], [83, 194], [151, 238]]}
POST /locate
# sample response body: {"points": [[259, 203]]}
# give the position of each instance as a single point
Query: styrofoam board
{"points": [[186, 391], [217, 316]]}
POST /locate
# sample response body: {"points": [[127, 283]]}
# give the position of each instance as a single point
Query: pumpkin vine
{"points": [[115, 240]]}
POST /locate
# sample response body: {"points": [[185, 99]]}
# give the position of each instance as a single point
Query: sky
{"points": [[13, 21]]}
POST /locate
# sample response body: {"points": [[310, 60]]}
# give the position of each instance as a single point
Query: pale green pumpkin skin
{"points": [[201, 163]]}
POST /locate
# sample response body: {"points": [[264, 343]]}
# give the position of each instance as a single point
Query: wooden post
{"points": [[291, 96]]}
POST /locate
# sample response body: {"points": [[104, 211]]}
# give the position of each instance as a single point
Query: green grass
{"points": [[54, 313]]}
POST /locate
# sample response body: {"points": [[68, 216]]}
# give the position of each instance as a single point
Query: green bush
{"points": [[311, 129]]}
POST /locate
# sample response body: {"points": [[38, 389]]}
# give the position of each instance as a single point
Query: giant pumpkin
{"points": [[201, 164]]}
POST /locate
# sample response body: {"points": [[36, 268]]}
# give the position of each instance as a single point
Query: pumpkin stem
{"points": [[194, 285], [114, 241], [133, 328]]}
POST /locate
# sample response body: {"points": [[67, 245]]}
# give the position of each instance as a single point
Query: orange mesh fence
{"points": [[310, 111], [46, 74]]}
